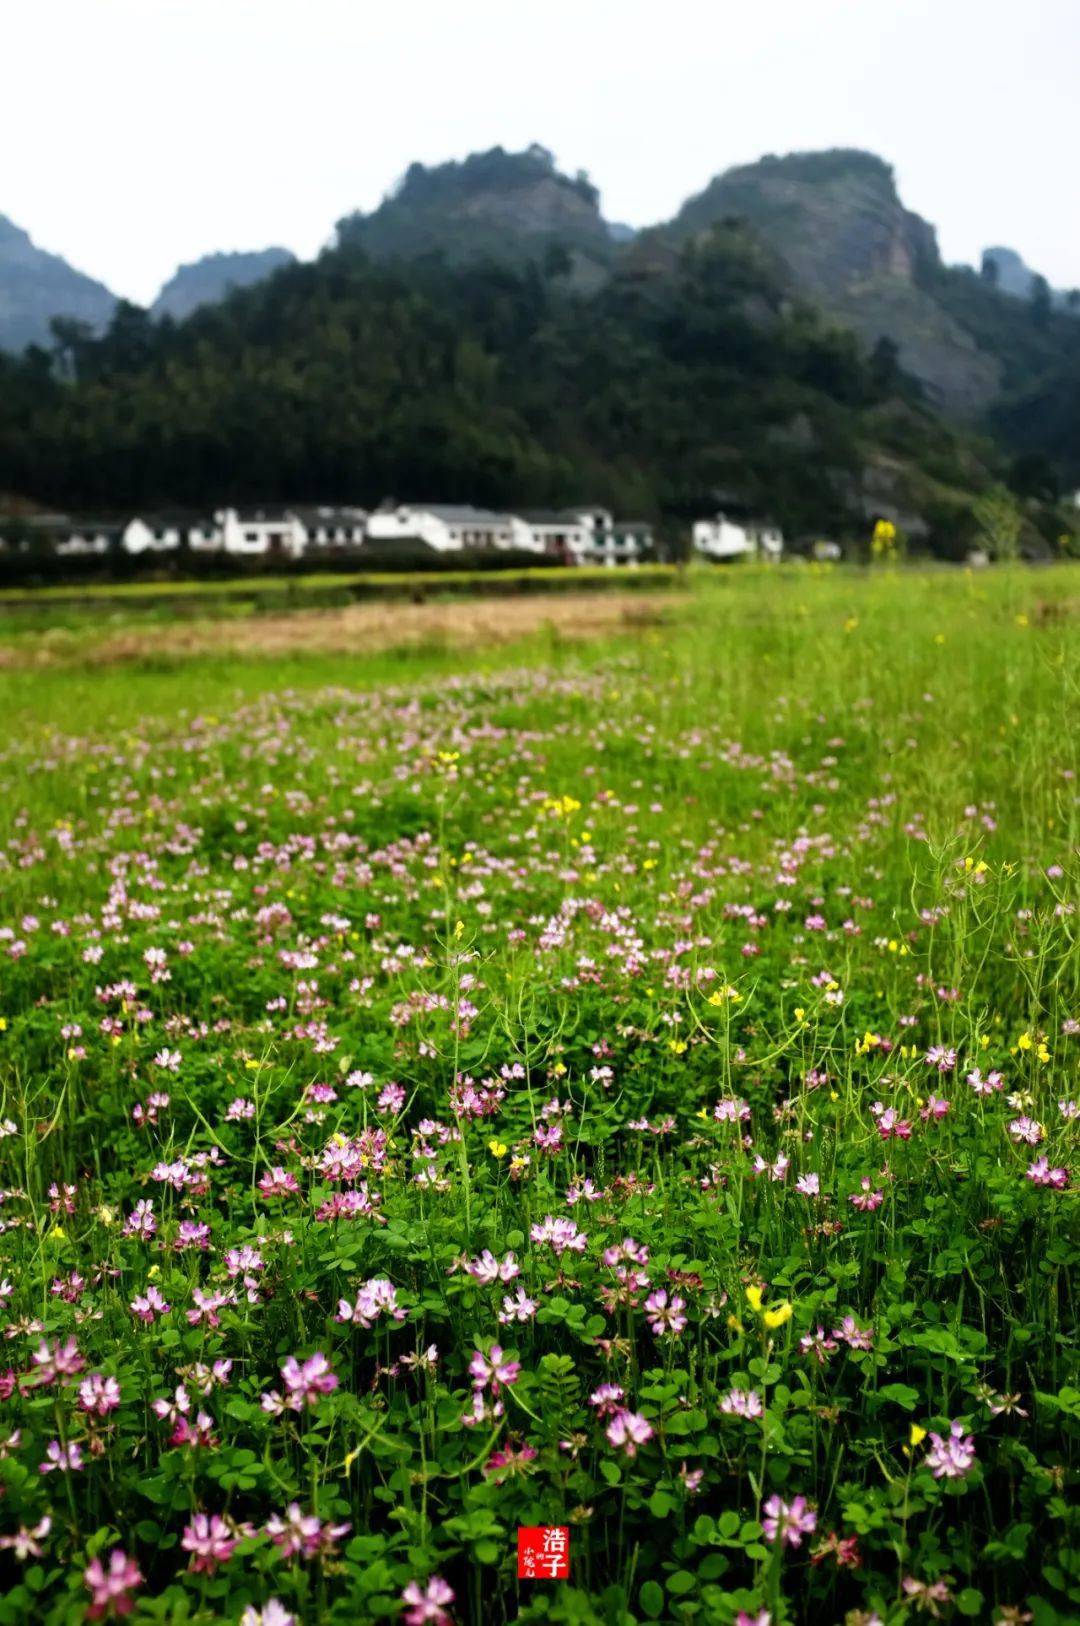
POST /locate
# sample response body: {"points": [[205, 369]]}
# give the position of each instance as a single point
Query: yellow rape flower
{"points": [[918, 1434], [774, 1317], [497, 1148], [561, 807]]}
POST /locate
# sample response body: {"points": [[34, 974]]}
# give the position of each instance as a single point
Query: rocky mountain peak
{"points": [[496, 204], [36, 286], [205, 281]]}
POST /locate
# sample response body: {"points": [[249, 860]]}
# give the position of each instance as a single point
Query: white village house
{"points": [[723, 538], [612, 542], [167, 533], [443, 527], [261, 531], [555, 532], [333, 527], [582, 536]]}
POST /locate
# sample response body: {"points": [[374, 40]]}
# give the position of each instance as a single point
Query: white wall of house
{"points": [[598, 521], [559, 538], [720, 538], [331, 527], [602, 540], [348, 534], [140, 537], [526, 537], [477, 528], [407, 524], [261, 532], [449, 529]]}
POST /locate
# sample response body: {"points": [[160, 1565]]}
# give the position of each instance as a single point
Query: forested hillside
{"points": [[790, 341], [349, 379]]}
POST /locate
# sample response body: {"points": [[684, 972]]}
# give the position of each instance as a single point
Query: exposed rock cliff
{"points": [[837, 223]]}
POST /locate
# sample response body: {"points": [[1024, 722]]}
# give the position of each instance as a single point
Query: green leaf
{"points": [[901, 1394], [651, 1599]]}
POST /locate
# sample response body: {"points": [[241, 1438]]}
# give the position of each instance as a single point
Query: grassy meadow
{"points": [[624, 1079]]}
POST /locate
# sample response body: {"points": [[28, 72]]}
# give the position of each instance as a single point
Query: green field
{"points": [[628, 1085]]}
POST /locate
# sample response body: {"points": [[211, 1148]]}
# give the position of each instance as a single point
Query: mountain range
{"points": [[791, 336], [833, 219], [36, 286]]}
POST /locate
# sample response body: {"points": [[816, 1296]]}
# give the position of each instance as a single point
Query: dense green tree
{"points": [[347, 379]]}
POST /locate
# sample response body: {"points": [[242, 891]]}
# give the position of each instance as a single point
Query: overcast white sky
{"points": [[135, 134]]}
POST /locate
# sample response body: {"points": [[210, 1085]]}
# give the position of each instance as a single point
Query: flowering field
{"points": [[634, 1093]]}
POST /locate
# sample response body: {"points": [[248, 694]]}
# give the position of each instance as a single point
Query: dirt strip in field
{"points": [[359, 629]]}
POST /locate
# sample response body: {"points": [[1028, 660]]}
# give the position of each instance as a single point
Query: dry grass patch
{"points": [[363, 629]]}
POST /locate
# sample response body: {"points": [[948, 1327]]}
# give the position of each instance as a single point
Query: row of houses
{"points": [[572, 536], [576, 536]]}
